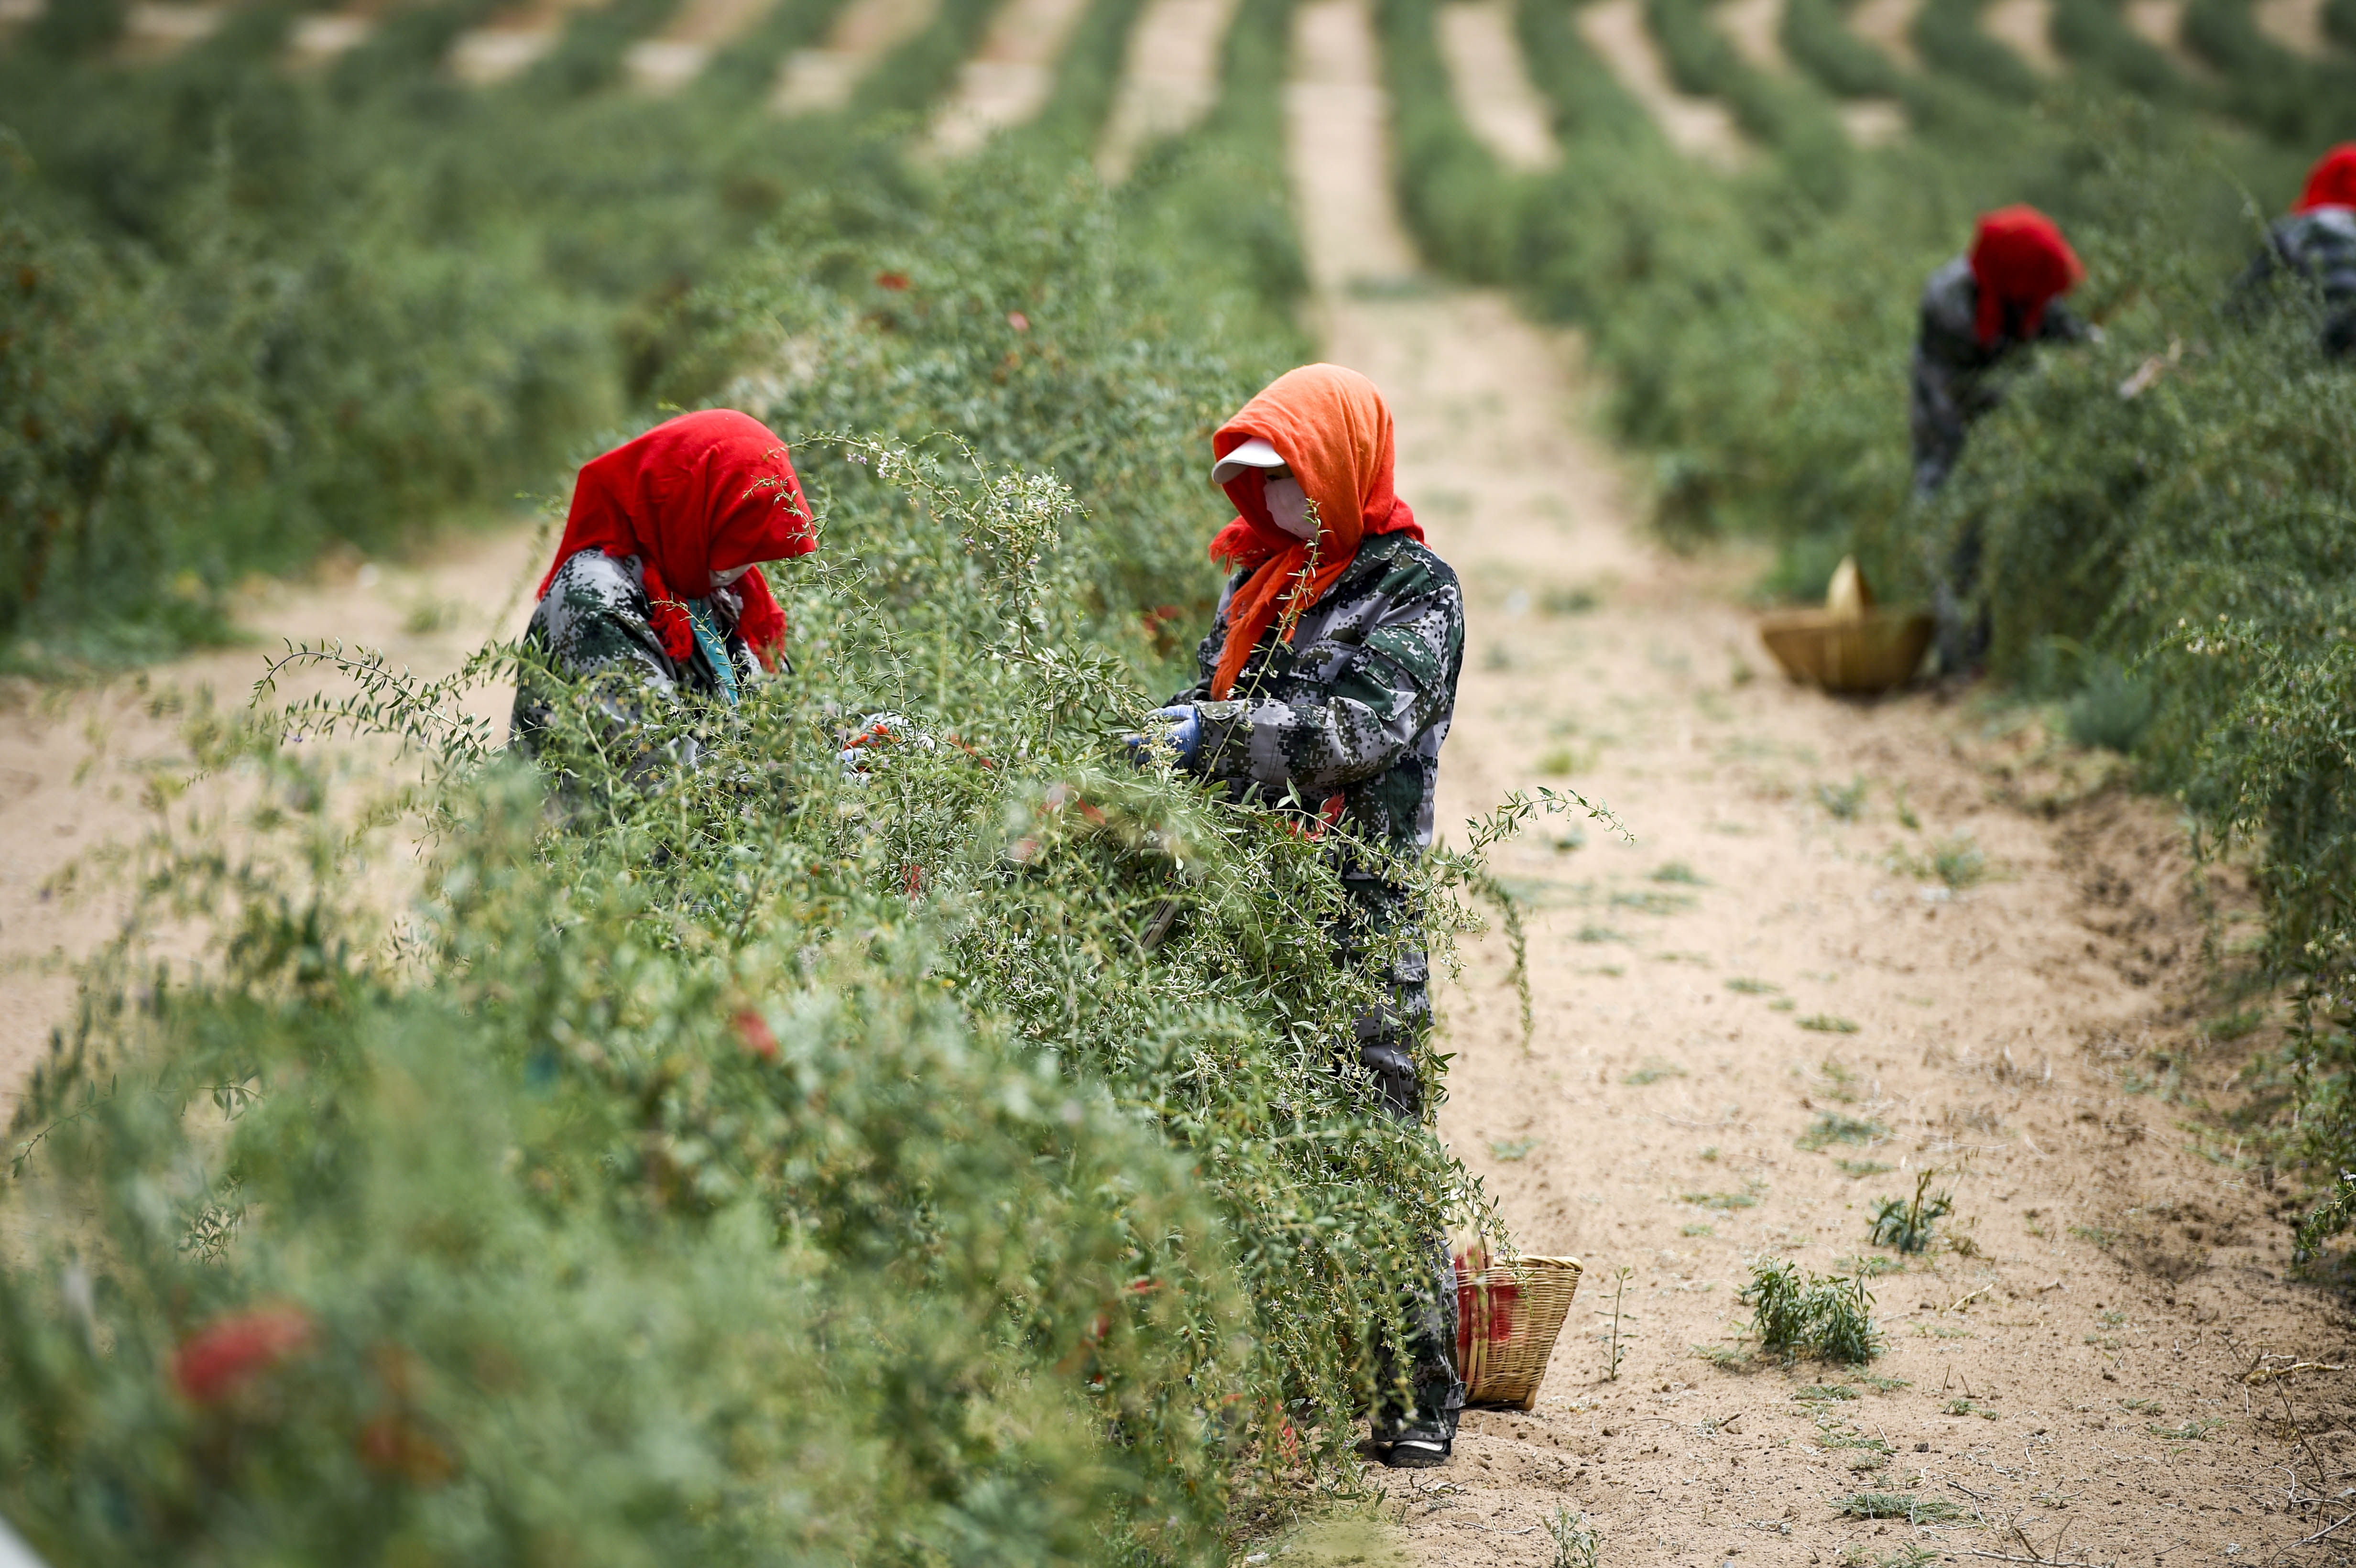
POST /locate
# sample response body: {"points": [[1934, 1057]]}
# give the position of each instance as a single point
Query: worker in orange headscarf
{"points": [[656, 596], [2317, 243], [1326, 687], [1979, 312]]}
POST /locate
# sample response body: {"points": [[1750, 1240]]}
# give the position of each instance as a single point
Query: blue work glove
{"points": [[1179, 728]]}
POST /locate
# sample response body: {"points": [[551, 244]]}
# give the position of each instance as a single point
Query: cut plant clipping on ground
{"points": [[420, 1154]]}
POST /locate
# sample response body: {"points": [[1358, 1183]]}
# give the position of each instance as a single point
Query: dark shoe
{"points": [[1418, 1445]]}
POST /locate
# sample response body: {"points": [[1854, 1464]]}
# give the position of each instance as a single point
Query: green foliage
{"points": [[1846, 802], [2335, 1213], [1957, 861], [2095, 36], [2295, 98], [253, 312], [1462, 204], [954, 1164], [1950, 38], [1906, 1223], [1817, 34], [1795, 1313], [1909, 1506], [2111, 710], [1577, 1543], [1833, 1127], [1783, 115], [873, 1149]]}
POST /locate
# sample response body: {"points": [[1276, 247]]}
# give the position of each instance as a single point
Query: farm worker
{"points": [[2317, 242], [1327, 684], [656, 592], [1980, 311]]}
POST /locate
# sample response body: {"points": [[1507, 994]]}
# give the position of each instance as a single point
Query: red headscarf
{"points": [[1332, 430], [2020, 258], [696, 495], [2332, 181]]}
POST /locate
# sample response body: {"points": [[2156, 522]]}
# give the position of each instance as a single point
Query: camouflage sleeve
{"points": [[1935, 417], [2063, 325], [1379, 695], [589, 630]]}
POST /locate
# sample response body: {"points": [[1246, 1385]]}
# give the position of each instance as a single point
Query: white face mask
{"points": [[1287, 508], [723, 579]]}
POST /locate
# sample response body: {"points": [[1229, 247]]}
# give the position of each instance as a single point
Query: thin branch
{"points": [[2318, 1535]]}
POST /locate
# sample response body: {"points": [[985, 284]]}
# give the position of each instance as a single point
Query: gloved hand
{"points": [[1179, 728]]}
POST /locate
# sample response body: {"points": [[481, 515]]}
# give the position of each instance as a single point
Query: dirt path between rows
{"points": [[88, 769], [1700, 128], [2063, 1379]]}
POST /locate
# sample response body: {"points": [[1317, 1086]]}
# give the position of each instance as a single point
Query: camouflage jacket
{"points": [[1953, 379], [593, 626], [1352, 712], [2319, 246]]}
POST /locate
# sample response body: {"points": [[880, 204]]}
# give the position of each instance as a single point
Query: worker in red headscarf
{"points": [[1980, 311], [656, 596], [2317, 243], [1326, 685]]}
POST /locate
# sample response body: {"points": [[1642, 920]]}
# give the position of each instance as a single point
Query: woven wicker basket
{"points": [[1849, 645], [1508, 1316]]}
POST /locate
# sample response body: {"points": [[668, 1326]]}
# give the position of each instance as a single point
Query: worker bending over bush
{"points": [[1980, 311], [655, 595], [1327, 684], [2317, 242]]}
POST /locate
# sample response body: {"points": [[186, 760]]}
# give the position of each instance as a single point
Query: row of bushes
{"points": [[2095, 36], [1792, 120], [951, 1162], [948, 1163], [2283, 94], [2173, 500], [253, 311]]}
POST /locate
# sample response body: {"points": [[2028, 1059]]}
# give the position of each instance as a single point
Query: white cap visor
{"points": [[1253, 454]]}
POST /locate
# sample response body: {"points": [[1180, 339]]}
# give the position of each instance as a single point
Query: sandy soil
{"points": [[509, 43], [1010, 75], [811, 81], [2161, 24], [1888, 25], [2294, 24], [1170, 78], [1698, 127], [1490, 88], [2064, 1377], [151, 30], [85, 770], [2026, 28], [1754, 26], [320, 36], [677, 54]]}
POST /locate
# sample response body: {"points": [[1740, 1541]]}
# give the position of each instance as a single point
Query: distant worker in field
{"points": [[2318, 243], [1979, 312], [655, 595], [1327, 684]]}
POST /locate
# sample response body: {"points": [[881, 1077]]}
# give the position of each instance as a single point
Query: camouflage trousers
{"points": [[1386, 1038]]}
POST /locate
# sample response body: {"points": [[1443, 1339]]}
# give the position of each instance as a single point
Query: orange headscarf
{"points": [[2332, 181], [2020, 258], [1332, 428], [699, 494]]}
